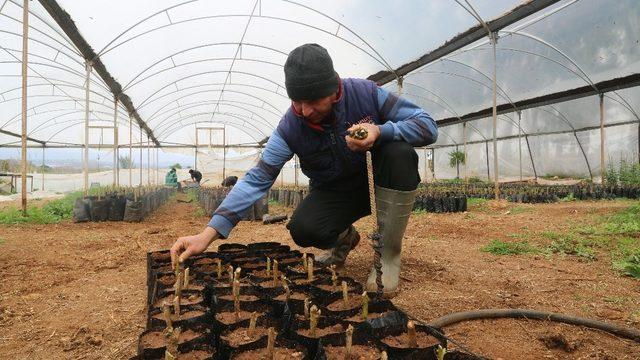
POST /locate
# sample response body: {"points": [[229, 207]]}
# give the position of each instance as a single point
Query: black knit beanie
{"points": [[309, 74]]}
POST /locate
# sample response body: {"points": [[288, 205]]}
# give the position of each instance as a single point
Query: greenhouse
{"points": [[124, 126]]}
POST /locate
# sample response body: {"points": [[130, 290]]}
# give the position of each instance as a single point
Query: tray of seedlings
{"points": [[266, 301], [120, 203]]}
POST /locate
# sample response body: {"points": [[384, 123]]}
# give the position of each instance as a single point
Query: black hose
{"points": [[621, 331]]}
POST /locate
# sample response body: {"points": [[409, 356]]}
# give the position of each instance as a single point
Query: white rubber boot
{"points": [[394, 209]]}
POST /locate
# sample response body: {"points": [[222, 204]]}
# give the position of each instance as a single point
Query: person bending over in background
{"points": [[324, 109], [195, 175]]}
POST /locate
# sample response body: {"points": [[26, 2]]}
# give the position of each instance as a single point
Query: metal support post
{"points": [[602, 162], [25, 59], [496, 173], [85, 167]]}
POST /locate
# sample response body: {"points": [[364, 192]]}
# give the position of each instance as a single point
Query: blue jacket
{"points": [[322, 150]]}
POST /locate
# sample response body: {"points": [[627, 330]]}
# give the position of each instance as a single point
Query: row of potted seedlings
{"points": [[264, 301], [120, 203], [291, 197], [439, 203], [211, 197], [534, 193]]}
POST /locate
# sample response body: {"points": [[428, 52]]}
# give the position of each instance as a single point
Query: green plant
{"points": [[176, 166], [497, 247], [455, 159], [199, 212], [476, 201], [52, 212], [125, 162]]}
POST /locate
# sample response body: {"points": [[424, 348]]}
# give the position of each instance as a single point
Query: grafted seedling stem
{"points": [[252, 324], [411, 335], [365, 305], [219, 268], [345, 294], [334, 277], [310, 269], [271, 343], [314, 314], [349, 340]]}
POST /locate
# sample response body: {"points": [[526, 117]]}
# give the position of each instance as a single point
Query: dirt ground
{"points": [[77, 291]]}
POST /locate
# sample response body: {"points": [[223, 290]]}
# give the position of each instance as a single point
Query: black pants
{"points": [[324, 214]]}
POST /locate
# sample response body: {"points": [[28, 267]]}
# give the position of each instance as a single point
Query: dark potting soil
{"points": [[293, 296], [320, 332], [338, 305], [241, 298], [196, 355], [402, 341], [370, 316], [184, 316], [268, 284], [289, 261], [229, 317], [253, 265], [158, 339], [331, 288], [161, 256], [240, 337], [208, 261], [279, 354], [186, 299], [304, 281], [357, 352]]}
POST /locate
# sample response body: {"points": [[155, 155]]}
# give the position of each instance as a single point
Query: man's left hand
{"points": [[366, 143]]}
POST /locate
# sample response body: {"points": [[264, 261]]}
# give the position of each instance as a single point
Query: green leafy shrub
{"points": [[497, 247]]}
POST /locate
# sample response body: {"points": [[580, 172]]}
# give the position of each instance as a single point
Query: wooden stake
{"points": [[365, 305], [236, 274], [384, 356], [271, 343], [334, 277], [411, 334], [219, 264], [306, 308], [314, 313], [252, 324], [349, 333], [176, 306], [345, 294], [304, 260], [310, 269]]}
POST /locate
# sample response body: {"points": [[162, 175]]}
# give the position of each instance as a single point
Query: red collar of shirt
{"points": [[319, 125]]}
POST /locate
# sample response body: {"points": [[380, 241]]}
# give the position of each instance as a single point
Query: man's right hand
{"points": [[187, 246]]}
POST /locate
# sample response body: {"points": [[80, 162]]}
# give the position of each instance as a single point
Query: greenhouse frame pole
{"points": [[25, 59], [496, 173], [157, 170], [295, 170], [148, 162], [520, 143], [85, 167], [464, 138], [486, 151], [130, 152], [42, 168], [116, 174], [426, 163], [602, 164], [195, 151], [224, 151], [140, 171]]}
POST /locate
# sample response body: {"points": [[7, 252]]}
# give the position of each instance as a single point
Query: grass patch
{"points": [[497, 247], [52, 212], [476, 202], [1, 241], [199, 212]]}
